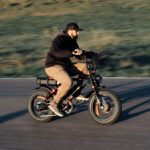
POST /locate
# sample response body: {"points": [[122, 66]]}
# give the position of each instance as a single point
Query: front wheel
{"points": [[108, 111]]}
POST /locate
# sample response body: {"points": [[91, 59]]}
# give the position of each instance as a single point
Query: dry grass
{"points": [[126, 63], [28, 26], [18, 8], [100, 39]]}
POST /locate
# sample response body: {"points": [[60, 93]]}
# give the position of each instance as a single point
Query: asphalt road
{"points": [[18, 131]]}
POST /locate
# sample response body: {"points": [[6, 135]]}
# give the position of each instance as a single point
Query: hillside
{"points": [[119, 27]]}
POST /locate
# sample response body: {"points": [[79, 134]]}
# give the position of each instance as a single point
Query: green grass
{"points": [[119, 27]]}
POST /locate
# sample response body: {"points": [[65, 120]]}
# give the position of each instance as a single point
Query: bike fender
{"points": [[44, 88]]}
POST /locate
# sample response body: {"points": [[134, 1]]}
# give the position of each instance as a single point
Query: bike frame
{"points": [[104, 104], [95, 80]]}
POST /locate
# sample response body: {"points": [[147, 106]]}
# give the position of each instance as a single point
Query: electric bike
{"points": [[104, 104]]}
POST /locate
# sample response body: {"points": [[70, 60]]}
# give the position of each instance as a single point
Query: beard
{"points": [[75, 37]]}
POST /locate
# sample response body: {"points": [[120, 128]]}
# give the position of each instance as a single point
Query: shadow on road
{"points": [[135, 95], [126, 97], [126, 115], [13, 115]]}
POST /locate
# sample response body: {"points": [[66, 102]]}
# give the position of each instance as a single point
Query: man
{"points": [[58, 62]]}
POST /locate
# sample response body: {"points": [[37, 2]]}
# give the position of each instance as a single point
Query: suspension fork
{"points": [[93, 81], [95, 89]]}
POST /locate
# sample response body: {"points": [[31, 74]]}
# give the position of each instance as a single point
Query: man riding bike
{"points": [[58, 63]]}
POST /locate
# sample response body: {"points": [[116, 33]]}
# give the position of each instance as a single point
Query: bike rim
{"points": [[40, 106], [106, 111]]}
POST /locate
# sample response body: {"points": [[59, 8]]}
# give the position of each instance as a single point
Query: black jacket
{"points": [[61, 51]]}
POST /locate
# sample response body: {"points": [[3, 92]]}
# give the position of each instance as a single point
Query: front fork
{"points": [[100, 98]]}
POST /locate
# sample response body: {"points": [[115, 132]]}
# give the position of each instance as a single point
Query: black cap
{"points": [[73, 26]]}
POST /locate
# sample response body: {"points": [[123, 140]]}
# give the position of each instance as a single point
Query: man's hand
{"points": [[77, 52]]}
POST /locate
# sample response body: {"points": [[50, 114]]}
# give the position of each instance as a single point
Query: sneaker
{"points": [[53, 107], [82, 98]]}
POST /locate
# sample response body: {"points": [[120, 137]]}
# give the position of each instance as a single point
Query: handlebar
{"points": [[90, 53]]}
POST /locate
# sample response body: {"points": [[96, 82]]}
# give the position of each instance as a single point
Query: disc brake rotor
{"points": [[105, 107]]}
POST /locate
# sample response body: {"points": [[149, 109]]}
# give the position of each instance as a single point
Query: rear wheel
{"points": [[38, 105], [109, 110]]}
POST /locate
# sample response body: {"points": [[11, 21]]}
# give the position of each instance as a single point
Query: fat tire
{"points": [[116, 113], [35, 93]]}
